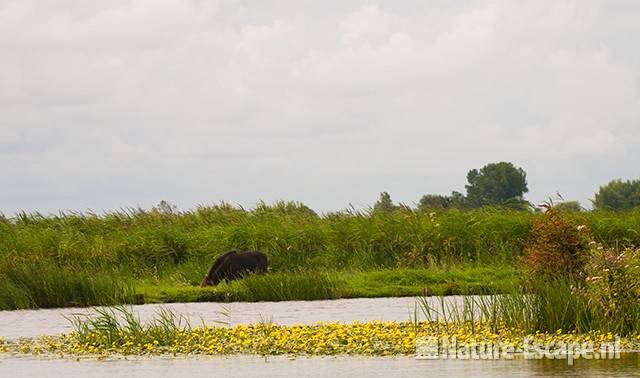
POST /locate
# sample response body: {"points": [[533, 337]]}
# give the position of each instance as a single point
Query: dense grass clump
{"points": [[292, 286], [40, 285]]}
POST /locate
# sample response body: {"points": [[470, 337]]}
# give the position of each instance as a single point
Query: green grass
{"points": [[40, 285], [450, 280], [85, 258], [117, 325], [308, 285]]}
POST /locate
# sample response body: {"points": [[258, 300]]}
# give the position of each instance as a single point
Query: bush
{"points": [[557, 247]]}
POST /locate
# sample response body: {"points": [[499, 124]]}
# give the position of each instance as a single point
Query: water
{"points": [[30, 323], [315, 367]]}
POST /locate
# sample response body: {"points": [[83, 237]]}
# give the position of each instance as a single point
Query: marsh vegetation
{"points": [[161, 255]]}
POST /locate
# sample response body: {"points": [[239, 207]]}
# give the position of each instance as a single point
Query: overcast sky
{"points": [[108, 104]]}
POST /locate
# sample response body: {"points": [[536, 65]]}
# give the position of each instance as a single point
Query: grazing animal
{"points": [[233, 265]]}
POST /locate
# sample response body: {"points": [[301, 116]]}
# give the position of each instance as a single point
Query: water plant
{"points": [[120, 326], [120, 332]]}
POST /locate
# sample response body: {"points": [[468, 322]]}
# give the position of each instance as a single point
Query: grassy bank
{"points": [[86, 259], [45, 288], [45, 291], [437, 280]]}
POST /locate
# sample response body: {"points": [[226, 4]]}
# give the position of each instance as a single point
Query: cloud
{"points": [[129, 102], [367, 24]]}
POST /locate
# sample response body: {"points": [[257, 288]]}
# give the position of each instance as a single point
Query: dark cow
{"points": [[233, 265]]}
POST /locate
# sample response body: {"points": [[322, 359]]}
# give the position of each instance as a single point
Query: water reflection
{"points": [[316, 367], [32, 323]]}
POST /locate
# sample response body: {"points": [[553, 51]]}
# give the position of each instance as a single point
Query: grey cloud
{"points": [[130, 102]]}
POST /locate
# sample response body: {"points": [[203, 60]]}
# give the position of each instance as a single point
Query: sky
{"points": [[111, 104]]}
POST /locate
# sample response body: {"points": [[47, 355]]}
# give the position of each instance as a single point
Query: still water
{"points": [[315, 367], [31, 323]]}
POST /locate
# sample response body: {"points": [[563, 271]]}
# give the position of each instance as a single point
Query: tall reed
{"points": [[542, 306], [42, 286], [82, 257]]}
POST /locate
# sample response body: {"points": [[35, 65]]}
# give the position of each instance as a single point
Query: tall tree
{"points": [[618, 195], [496, 184]]}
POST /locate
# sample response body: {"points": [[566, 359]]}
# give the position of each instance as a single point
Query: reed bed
{"points": [[83, 258]]}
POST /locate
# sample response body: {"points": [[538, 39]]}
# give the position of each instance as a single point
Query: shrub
{"points": [[557, 247]]}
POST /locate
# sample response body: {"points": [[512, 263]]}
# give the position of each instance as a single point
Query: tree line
{"points": [[504, 185]]}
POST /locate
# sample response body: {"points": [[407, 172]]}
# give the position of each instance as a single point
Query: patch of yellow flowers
{"points": [[371, 338]]}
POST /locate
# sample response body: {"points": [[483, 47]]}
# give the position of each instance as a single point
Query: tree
{"points": [[439, 201], [497, 184], [568, 207], [384, 204], [434, 201], [618, 195], [457, 200]]}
